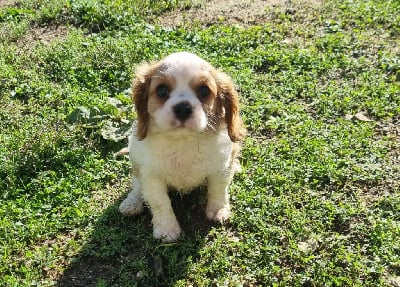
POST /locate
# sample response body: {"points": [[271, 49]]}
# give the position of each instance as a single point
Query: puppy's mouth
{"points": [[190, 124], [177, 124]]}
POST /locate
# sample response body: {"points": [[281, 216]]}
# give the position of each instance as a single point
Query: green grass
{"points": [[317, 203]]}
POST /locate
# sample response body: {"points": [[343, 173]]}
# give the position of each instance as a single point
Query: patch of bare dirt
{"points": [[7, 3], [43, 35], [244, 12]]}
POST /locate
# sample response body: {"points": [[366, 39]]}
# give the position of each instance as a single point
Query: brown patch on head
{"points": [[205, 87], [145, 93], [160, 88], [229, 100]]}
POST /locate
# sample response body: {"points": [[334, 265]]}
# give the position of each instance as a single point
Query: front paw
{"points": [[131, 206], [167, 232], [218, 213]]}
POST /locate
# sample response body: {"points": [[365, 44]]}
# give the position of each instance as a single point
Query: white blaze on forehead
{"points": [[182, 67], [184, 64]]}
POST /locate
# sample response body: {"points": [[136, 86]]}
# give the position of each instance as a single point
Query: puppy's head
{"points": [[185, 93]]}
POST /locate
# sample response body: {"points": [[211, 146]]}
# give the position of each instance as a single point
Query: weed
{"points": [[317, 203]]}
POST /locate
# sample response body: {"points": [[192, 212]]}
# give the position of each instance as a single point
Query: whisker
{"points": [[213, 121]]}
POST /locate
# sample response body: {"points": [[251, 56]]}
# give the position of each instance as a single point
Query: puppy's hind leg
{"points": [[133, 203]]}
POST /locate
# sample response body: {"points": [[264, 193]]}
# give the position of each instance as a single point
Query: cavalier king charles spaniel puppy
{"points": [[187, 134]]}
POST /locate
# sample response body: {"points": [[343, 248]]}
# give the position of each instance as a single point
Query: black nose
{"points": [[183, 111]]}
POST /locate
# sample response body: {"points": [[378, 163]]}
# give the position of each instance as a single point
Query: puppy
{"points": [[187, 134]]}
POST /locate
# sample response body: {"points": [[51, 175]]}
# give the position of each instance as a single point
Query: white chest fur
{"points": [[182, 161]]}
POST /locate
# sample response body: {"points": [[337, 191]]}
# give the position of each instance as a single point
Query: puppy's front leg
{"points": [[133, 203], [218, 197], [165, 225]]}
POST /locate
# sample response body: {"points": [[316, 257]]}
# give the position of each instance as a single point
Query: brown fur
{"points": [[140, 88], [227, 98], [230, 101]]}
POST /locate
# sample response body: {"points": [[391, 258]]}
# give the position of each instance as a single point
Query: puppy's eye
{"points": [[203, 92], [162, 91]]}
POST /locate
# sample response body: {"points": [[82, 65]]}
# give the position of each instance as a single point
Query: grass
{"points": [[317, 204]]}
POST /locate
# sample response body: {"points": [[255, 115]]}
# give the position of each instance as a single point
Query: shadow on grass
{"points": [[122, 252]]}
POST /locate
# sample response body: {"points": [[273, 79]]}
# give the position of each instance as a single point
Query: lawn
{"points": [[317, 202]]}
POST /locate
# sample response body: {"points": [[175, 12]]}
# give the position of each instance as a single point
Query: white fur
{"points": [[180, 156], [183, 67]]}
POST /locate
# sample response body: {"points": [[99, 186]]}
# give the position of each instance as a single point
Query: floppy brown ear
{"points": [[140, 90], [230, 102]]}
